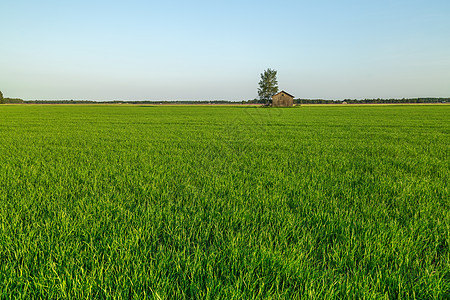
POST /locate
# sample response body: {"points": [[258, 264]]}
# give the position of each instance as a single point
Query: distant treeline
{"points": [[373, 101], [253, 101], [123, 102], [359, 101], [11, 100]]}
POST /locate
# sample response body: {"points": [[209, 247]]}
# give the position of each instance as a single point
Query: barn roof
{"points": [[285, 93]]}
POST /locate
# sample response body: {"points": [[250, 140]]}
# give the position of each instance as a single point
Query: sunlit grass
{"points": [[224, 202]]}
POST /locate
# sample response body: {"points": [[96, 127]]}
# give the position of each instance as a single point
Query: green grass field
{"points": [[224, 202]]}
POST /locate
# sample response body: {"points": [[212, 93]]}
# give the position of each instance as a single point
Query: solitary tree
{"points": [[268, 85], [1, 97]]}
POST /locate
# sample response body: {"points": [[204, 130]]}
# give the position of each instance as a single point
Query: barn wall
{"points": [[282, 100]]}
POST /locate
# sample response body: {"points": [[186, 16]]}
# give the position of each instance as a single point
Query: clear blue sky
{"points": [[206, 50]]}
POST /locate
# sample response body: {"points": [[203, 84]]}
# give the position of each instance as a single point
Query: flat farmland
{"points": [[206, 202]]}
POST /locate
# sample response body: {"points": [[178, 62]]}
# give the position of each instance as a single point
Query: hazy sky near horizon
{"points": [[212, 50]]}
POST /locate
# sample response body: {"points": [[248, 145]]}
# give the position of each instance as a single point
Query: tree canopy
{"points": [[268, 85]]}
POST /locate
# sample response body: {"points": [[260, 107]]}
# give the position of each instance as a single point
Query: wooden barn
{"points": [[282, 99]]}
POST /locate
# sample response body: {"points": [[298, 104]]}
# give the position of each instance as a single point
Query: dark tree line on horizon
{"points": [[252, 101], [359, 101]]}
